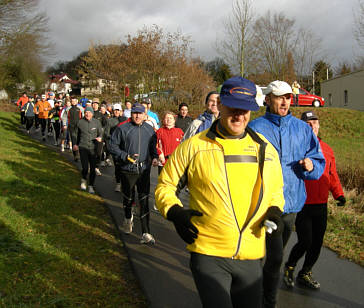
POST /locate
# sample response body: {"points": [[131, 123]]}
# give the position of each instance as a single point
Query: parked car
{"points": [[305, 98]]}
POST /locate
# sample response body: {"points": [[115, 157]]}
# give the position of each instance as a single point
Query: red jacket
{"points": [[318, 190], [22, 101], [168, 139]]}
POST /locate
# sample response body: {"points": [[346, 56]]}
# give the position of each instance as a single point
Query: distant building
{"points": [[61, 83], [97, 86], [344, 91]]}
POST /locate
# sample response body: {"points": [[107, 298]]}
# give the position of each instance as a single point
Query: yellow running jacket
{"points": [[232, 182]]}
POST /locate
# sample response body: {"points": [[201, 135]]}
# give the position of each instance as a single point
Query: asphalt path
{"points": [[163, 269]]}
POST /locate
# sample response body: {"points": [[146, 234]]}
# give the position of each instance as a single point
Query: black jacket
{"points": [[87, 132], [129, 139], [183, 123]]}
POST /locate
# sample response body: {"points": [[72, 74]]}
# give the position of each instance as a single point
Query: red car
{"points": [[305, 98]]}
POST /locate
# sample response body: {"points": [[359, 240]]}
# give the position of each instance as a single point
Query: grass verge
{"points": [[57, 244]]}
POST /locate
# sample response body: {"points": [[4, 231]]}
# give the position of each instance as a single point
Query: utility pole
{"points": [[313, 82]]}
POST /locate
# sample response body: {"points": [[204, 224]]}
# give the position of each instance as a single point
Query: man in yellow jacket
{"points": [[235, 181]]}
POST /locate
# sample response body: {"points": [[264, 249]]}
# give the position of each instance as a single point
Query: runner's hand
{"points": [[306, 164], [181, 219], [341, 200], [274, 214]]}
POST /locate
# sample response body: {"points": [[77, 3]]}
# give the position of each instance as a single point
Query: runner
{"points": [[204, 120], [20, 103], [134, 145], [312, 220], [55, 121], [65, 138], [28, 110], [74, 116], [168, 138], [42, 109], [89, 134], [111, 125], [183, 120]]}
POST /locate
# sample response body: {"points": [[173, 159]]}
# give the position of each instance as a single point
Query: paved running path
{"points": [[165, 277]]}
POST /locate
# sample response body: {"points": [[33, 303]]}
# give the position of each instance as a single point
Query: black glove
{"points": [[182, 222], [274, 214], [341, 200]]}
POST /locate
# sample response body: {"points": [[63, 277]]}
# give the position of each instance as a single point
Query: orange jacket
{"points": [[42, 108], [22, 101]]}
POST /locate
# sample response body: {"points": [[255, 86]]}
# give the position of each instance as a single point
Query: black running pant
{"points": [[227, 283], [117, 170], [57, 129], [22, 117], [72, 133], [273, 261], [43, 125], [88, 158], [142, 182], [310, 227], [29, 122]]}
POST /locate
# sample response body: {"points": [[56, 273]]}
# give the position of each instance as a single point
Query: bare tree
{"points": [[23, 43], [275, 39], [359, 24], [235, 47]]}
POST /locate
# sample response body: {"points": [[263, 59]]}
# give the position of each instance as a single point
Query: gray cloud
{"points": [[74, 24]]}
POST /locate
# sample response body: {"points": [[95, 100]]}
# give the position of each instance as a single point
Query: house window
{"points": [[345, 97], [330, 99]]}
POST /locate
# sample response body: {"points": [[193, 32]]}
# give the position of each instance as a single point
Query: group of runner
{"points": [[134, 139]]}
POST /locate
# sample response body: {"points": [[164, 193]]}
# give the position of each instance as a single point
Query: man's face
{"points": [[128, 105], [279, 104], [116, 112], [315, 125], [169, 120], [74, 101], [24, 95], [43, 98], [88, 115], [183, 111], [234, 120], [103, 110], [95, 106], [138, 117], [212, 103]]}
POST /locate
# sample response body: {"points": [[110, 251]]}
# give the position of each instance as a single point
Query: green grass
{"points": [[57, 244]]}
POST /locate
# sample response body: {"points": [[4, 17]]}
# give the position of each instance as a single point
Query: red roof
{"points": [[58, 79]]}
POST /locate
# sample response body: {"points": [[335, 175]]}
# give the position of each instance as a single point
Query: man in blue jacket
{"points": [[133, 144], [301, 159]]}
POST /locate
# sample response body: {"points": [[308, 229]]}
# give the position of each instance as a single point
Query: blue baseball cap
{"points": [[238, 92], [137, 107]]}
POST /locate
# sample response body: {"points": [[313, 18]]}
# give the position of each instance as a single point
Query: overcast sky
{"points": [[75, 23]]}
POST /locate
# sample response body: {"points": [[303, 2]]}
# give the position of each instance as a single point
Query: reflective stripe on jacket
{"points": [[232, 182]]}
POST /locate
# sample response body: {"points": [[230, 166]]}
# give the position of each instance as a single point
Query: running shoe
{"points": [[62, 147], [91, 189], [307, 280], [288, 276], [148, 239], [118, 187], [108, 162], [128, 225], [83, 184], [97, 171]]}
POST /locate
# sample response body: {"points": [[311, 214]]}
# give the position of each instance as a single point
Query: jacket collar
{"points": [[277, 119]]}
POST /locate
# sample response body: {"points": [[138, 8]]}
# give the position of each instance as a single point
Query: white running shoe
{"points": [[118, 187], [83, 184], [62, 147], [91, 189], [108, 162], [128, 225], [97, 171], [148, 239]]}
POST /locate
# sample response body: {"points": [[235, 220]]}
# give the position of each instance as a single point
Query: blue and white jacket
{"points": [[294, 140]]}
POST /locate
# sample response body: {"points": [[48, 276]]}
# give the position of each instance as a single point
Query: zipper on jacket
{"points": [[260, 156]]}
